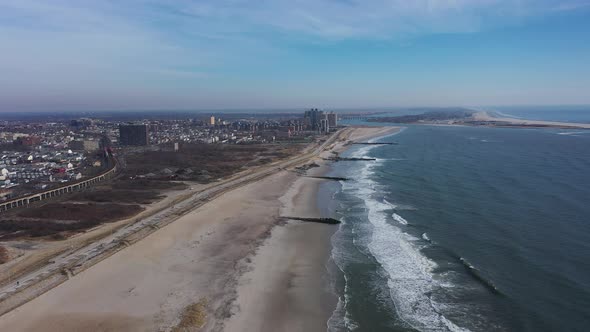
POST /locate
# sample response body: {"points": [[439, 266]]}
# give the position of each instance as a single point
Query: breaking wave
{"points": [[409, 272], [399, 219]]}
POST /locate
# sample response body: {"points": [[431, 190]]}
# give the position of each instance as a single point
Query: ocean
{"points": [[463, 229]]}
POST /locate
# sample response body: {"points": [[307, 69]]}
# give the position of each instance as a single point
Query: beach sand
{"points": [[288, 288], [251, 269], [485, 116]]}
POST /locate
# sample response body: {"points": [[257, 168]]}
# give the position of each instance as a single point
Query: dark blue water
{"points": [[482, 229]]}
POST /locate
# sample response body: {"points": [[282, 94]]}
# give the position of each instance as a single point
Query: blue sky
{"points": [[190, 54]]}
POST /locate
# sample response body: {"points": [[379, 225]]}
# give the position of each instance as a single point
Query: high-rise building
{"points": [[313, 117], [332, 119], [324, 126], [133, 134], [320, 121], [212, 120]]}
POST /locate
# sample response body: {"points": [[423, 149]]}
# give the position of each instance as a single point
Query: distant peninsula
{"points": [[428, 117], [468, 117]]}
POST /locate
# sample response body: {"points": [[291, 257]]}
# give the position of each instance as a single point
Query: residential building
{"points": [[133, 134], [332, 120]]}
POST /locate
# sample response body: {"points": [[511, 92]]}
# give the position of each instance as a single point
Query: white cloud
{"points": [[372, 18], [61, 47]]}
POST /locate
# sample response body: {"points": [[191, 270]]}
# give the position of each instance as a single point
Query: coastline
{"points": [[149, 285], [485, 119], [288, 287], [285, 288], [210, 256], [500, 121]]}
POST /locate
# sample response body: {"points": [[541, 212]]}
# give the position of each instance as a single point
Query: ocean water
{"points": [[464, 229]]}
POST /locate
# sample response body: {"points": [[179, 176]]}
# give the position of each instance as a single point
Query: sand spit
{"points": [[485, 116]]}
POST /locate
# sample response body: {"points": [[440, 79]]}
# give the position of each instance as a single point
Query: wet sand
{"points": [[288, 288]]}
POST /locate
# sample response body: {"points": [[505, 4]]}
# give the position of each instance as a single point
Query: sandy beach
{"points": [[485, 116], [233, 264], [287, 288]]}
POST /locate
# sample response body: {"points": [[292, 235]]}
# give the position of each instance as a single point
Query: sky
{"points": [[87, 55]]}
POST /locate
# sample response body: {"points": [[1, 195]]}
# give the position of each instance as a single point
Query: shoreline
{"points": [[502, 121], [204, 257], [485, 119], [286, 281], [299, 295]]}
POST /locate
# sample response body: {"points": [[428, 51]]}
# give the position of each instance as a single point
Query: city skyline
{"points": [[97, 55]]}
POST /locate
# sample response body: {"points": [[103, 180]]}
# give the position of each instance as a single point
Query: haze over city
{"points": [[66, 55]]}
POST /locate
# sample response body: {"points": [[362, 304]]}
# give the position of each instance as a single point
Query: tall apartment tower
{"points": [[333, 120], [314, 117], [133, 134], [324, 126], [212, 120]]}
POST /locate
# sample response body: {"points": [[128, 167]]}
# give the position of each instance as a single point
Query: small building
{"points": [[28, 140], [90, 145], [5, 194], [85, 145]]}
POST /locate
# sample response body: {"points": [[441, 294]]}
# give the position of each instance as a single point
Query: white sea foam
{"points": [[341, 318], [373, 140], [571, 133], [409, 272], [425, 237], [398, 207], [452, 326], [391, 205], [466, 263], [361, 152], [399, 219], [336, 322]]}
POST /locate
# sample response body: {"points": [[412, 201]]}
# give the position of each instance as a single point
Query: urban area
{"points": [[40, 156]]}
